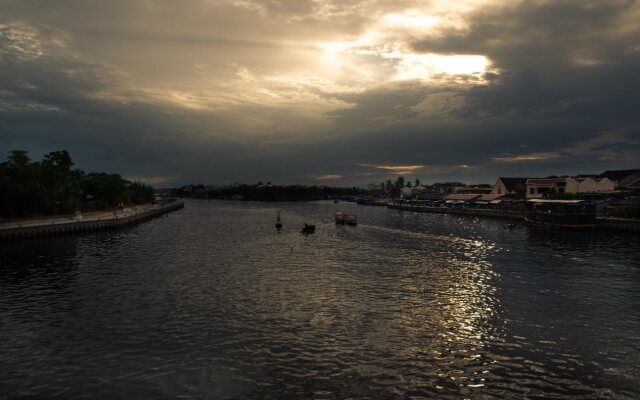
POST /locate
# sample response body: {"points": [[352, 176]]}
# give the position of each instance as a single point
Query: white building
{"points": [[406, 192], [536, 188], [589, 185]]}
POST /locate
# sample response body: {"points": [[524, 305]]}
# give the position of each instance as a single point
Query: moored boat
{"points": [[382, 202], [343, 218], [572, 214]]}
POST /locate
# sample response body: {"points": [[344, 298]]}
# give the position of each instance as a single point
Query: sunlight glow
{"points": [[411, 19], [370, 56], [383, 54], [423, 66], [393, 168]]}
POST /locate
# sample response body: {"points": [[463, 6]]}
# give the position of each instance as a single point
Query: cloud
{"points": [[328, 177], [394, 168], [605, 146], [219, 91]]}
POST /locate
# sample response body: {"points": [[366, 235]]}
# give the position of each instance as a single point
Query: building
{"points": [[589, 185], [419, 188], [473, 190], [510, 186], [461, 198], [489, 199], [624, 178], [445, 188], [536, 188]]}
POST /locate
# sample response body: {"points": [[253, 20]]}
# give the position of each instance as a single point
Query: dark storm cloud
{"points": [[567, 59], [48, 103], [223, 91], [568, 72]]}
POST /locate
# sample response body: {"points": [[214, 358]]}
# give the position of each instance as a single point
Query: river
{"points": [[211, 302]]}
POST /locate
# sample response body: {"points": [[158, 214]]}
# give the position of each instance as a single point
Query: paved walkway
{"points": [[93, 216]]}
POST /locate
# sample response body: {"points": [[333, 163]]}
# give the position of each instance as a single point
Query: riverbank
{"points": [[93, 222], [604, 223], [511, 215]]}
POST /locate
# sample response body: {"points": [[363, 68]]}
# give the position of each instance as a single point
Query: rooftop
{"points": [[555, 201]]}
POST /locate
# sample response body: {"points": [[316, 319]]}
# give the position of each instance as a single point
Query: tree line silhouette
{"points": [[53, 186]]}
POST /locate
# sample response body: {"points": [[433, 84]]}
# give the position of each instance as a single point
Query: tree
{"points": [[389, 187], [21, 190], [399, 184], [417, 182], [108, 190], [62, 183], [139, 192], [18, 158], [51, 186]]}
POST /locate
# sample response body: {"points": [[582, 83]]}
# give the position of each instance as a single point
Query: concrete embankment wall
{"points": [[619, 224], [57, 228], [511, 215]]}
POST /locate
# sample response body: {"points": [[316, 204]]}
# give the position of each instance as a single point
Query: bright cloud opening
{"points": [[424, 66], [383, 53], [411, 19]]}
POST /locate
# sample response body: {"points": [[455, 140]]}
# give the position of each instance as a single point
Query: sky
{"points": [[327, 92]]}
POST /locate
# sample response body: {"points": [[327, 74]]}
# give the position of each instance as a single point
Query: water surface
{"points": [[211, 303]]}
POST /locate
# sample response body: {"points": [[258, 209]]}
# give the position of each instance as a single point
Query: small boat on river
{"points": [[573, 214], [343, 218], [307, 229]]}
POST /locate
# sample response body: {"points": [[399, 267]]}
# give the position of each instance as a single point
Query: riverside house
{"points": [[536, 188], [510, 186], [589, 185]]}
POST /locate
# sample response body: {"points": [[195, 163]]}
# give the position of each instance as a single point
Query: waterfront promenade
{"points": [[90, 222]]}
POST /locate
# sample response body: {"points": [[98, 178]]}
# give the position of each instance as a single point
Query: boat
{"points": [[343, 218], [572, 214], [365, 200], [307, 229], [382, 202], [278, 222]]}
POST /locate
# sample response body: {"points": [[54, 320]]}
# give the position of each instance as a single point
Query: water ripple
{"points": [[211, 302]]}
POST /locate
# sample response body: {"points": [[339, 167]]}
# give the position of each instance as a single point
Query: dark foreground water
{"points": [[211, 303]]}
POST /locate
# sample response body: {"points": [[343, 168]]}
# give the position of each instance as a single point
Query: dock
{"points": [[95, 222]]}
